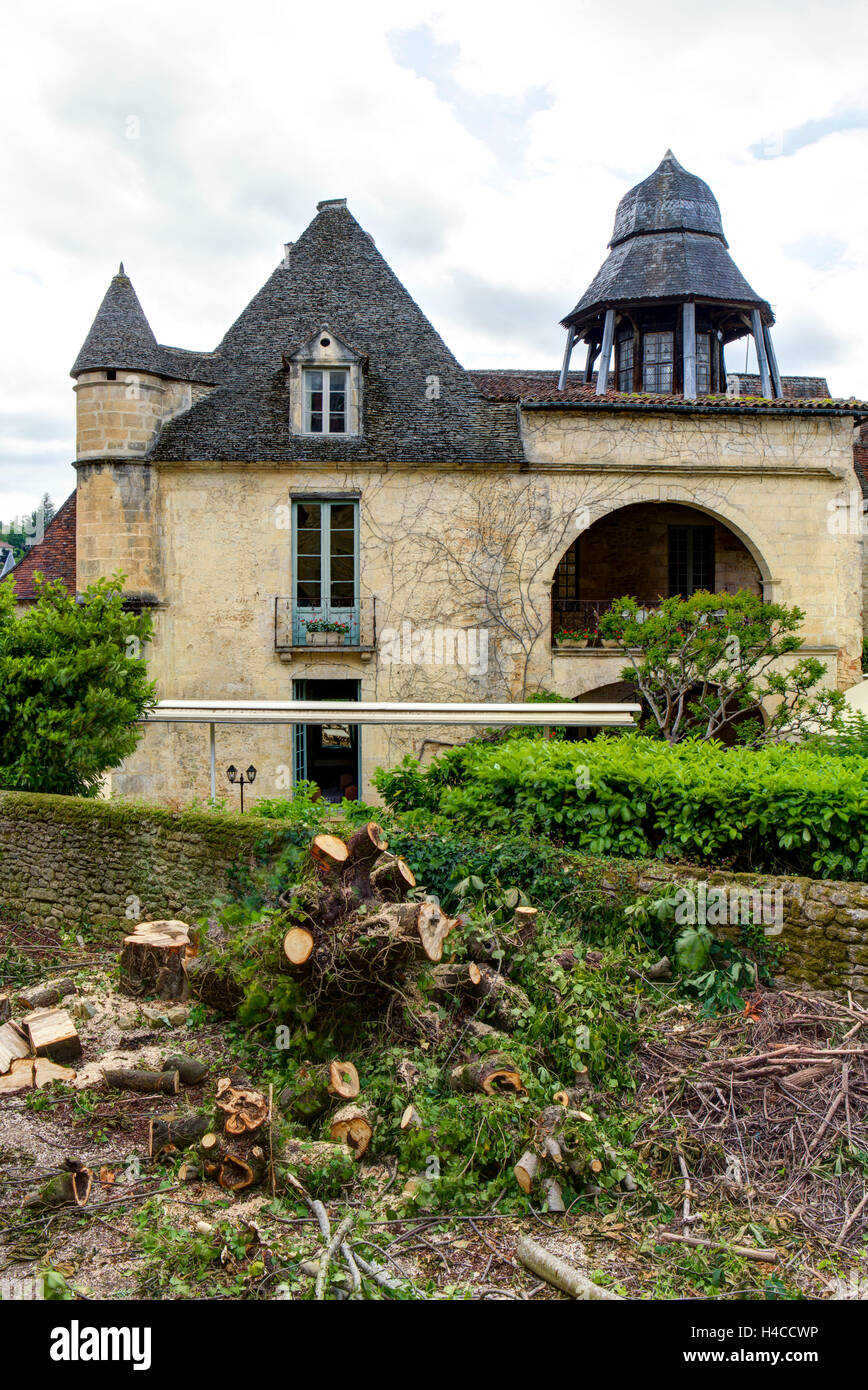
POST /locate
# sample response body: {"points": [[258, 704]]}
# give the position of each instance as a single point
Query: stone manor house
{"points": [[329, 506]]}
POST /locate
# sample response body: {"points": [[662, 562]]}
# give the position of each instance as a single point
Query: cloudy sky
{"points": [[483, 145]]}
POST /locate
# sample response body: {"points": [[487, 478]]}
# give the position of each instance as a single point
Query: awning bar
{"points": [[389, 712]]}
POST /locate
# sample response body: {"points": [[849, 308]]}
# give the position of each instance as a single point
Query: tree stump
{"points": [[152, 960]]}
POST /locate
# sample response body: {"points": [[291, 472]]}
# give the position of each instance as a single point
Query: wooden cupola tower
{"points": [[669, 296]]}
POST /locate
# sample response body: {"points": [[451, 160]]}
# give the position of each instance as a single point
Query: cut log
{"points": [[526, 1170], [526, 920], [213, 987], [164, 1083], [190, 1071], [808, 1076], [351, 1126], [411, 1119], [315, 1088], [241, 1168], [433, 927], [560, 1274], [298, 947], [44, 995], [505, 1002], [12, 1046], [491, 1075], [392, 878], [53, 1034], [178, 1132], [457, 977], [190, 1171], [244, 1110], [71, 1188], [328, 852], [152, 960], [305, 1158], [29, 1073], [5, 1004], [365, 846], [554, 1196]]}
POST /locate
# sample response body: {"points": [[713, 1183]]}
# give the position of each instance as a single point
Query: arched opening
{"points": [[652, 551]]}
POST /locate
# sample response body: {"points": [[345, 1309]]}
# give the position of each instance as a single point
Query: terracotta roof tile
{"points": [[54, 555]]}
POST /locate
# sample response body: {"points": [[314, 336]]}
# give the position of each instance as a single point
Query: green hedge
{"points": [[781, 809]]}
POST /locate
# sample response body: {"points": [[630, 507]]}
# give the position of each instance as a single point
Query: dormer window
{"points": [[325, 377], [325, 402]]}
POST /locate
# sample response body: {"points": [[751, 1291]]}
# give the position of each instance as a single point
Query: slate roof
{"points": [[54, 555], [334, 274], [669, 200], [121, 339], [667, 243]]}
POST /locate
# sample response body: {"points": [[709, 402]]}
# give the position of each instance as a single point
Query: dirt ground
{"points": [[144, 1234]]}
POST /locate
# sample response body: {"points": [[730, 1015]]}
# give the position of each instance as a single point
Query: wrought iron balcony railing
{"points": [[580, 617], [325, 626]]}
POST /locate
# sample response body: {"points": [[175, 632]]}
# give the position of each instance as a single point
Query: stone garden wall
{"points": [[67, 860]]}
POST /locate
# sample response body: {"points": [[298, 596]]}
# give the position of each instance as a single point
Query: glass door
{"points": [[325, 570]]}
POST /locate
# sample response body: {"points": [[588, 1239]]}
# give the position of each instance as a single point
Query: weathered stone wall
{"points": [[67, 861], [825, 922], [456, 547]]}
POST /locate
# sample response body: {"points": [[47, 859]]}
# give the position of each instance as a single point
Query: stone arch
{"points": [[758, 546]]}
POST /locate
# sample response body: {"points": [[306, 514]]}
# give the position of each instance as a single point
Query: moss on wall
{"points": [[68, 860]]}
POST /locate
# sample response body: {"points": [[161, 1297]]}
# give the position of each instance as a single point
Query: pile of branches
{"points": [[360, 934], [774, 1113]]}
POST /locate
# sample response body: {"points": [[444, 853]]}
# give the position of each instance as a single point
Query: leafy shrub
{"points": [[796, 809]]}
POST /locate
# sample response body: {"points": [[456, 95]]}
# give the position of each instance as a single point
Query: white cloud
{"points": [[485, 154]]}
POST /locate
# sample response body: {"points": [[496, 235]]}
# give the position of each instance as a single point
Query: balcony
{"points": [[302, 626], [581, 617]]}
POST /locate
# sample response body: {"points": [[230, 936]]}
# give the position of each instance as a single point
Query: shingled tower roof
{"points": [[120, 336], [419, 403], [667, 244]]}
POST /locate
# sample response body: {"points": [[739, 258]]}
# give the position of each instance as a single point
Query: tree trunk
{"points": [[65, 1189], [166, 1083], [328, 853], [298, 947], [558, 1272], [351, 1126], [152, 960], [180, 1132], [392, 878], [491, 1075], [189, 1069], [315, 1088], [43, 996], [363, 849], [243, 1109], [213, 987]]}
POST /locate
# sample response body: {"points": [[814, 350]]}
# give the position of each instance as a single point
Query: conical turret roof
{"points": [[120, 336]]}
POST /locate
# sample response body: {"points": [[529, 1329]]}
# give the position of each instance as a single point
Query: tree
{"points": [[712, 662], [73, 683]]}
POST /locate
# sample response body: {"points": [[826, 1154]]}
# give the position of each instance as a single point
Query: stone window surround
{"points": [[325, 351]]}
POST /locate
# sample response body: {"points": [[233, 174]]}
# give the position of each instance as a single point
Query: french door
{"points": [[325, 548]]}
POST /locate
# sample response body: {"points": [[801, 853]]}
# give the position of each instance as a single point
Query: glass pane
{"points": [[343, 595], [314, 381], [343, 516], [308, 567], [343, 567], [337, 424], [316, 424], [307, 515], [307, 542], [337, 381], [343, 543]]}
